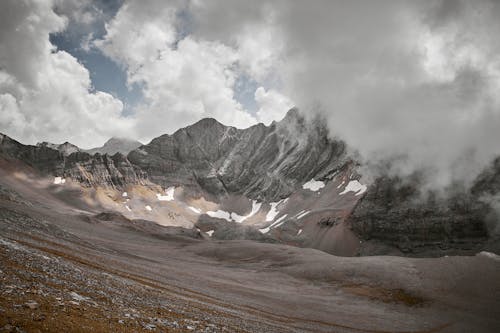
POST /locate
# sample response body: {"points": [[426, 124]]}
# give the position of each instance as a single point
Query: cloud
{"points": [[272, 105], [183, 80], [44, 93], [188, 77], [414, 80], [396, 79]]}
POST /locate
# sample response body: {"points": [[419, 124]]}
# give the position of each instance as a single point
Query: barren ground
{"points": [[64, 270]]}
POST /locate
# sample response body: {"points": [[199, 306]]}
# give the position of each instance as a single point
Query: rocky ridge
{"points": [[116, 145], [261, 162], [270, 163], [88, 170]]}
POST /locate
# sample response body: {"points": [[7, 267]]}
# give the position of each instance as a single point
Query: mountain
{"points": [[288, 182], [394, 213], [261, 162], [116, 145], [88, 170], [65, 148]]}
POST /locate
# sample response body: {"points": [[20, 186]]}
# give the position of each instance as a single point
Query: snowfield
{"points": [[354, 186], [276, 224], [221, 214], [313, 185], [196, 210], [59, 180], [255, 208], [273, 211], [301, 215], [169, 194]]}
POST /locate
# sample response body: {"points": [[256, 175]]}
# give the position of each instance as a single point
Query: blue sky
{"points": [[424, 72], [106, 74], [109, 76]]}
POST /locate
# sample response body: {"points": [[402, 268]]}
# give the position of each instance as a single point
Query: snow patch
{"points": [[300, 231], [279, 221], [354, 186], [169, 194], [196, 210], [124, 194], [210, 232], [255, 208], [220, 214], [148, 207], [276, 224], [59, 180], [273, 212], [303, 210], [340, 185], [313, 185], [128, 208], [303, 214], [264, 230]]}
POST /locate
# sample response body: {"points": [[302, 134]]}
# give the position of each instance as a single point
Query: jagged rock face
{"points": [[116, 145], [261, 162], [102, 170], [395, 213], [65, 148], [42, 158], [89, 170]]}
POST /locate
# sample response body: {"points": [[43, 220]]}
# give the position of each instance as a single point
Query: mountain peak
{"points": [[116, 145], [65, 148]]}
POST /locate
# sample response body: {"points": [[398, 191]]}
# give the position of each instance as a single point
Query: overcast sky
{"points": [[417, 78]]}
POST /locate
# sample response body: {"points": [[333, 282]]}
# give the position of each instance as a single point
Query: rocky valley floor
{"points": [[63, 271]]}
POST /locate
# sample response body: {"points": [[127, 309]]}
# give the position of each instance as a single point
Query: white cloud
{"points": [[183, 80], [44, 93], [392, 78], [401, 78], [272, 105]]}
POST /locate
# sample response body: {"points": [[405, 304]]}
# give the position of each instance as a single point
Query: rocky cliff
{"points": [[397, 213], [271, 163], [261, 162], [89, 170]]}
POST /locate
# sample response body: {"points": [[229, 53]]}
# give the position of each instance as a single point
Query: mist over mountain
{"points": [[116, 145], [270, 165]]}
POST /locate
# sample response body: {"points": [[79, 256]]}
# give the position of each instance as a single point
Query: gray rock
{"points": [[261, 162], [32, 305], [65, 148], [89, 170], [395, 214], [116, 145]]}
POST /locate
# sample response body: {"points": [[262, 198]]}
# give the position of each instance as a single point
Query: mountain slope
{"points": [[65, 148], [261, 162], [88, 170], [116, 145], [289, 181]]}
